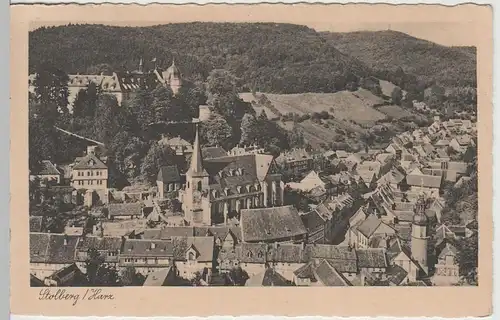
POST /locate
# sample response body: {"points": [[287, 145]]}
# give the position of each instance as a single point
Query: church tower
{"points": [[419, 237], [196, 203]]}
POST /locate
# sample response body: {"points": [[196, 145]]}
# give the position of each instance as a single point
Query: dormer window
{"points": [[226, 191], [238, 188], [260, 254], [249, 254], [91, 162], [241, 171], [191, 256]]}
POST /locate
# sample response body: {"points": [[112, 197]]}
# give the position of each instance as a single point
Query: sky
{"points": [[455, 26]]}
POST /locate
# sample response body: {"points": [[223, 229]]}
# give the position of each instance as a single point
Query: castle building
{"points": [[171, 77], [419, 239], [119, 84], [218, 187]]}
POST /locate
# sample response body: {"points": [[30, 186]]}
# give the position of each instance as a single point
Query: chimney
{"points": [[153, 245], [65, 239]]}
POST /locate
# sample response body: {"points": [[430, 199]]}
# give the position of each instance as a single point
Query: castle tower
{"points": [[173, 78], [419, 237], [195, 200]]}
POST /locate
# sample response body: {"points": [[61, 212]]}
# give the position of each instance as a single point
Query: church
{"points": [[218, 188]]}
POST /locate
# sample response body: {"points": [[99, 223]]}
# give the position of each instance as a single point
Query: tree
{"points": [[237, 277], [98, 272], [156, 157], [51, 87], [130, 277], [143, 114], [467, 258], [397, 95], [216, 131], [248, 128], [111, 119]]}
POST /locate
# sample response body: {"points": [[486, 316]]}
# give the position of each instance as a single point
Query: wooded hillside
{"points": [[267, 57], [430, 62]]}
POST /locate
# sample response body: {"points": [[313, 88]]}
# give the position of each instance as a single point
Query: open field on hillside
{"points": [[344, 105], [395, 111]]}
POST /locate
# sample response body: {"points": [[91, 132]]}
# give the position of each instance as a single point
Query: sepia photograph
{"points": [[251, 146], [250, 154]]}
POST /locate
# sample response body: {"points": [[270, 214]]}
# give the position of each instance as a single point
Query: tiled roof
{"points": [[125, 209], [168, 174], [100, 244], [204, 246], [39, 247], [61, 275], [287, 252], [52, 248], [396, 274], [305, 271], [371, 258], [157, 278], [403, 231], [265, 224], [312, 220], [342, 258], [48, 168], [403, 215], [423, 180], [393, 176], [369, 226], [90, 161], [213, 152], [232, 171], [293, 155], [267, 278], [175, 141], [326, 274], [252, 252], [147, 248]]}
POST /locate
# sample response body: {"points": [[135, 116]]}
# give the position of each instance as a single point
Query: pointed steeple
{"points": [[196, 166]]}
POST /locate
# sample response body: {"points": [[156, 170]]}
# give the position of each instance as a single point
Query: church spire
{"points": [[140, 65], [196, 166]]}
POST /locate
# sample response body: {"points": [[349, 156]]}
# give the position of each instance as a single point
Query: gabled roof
{"points": [[313, 220], [423, 180], [147, 248], [265, 224], [328, 276], [48, 168], [396, 274], [168, 174], [90, 161], [267, 278], [52, 248], [203, 245], [369, 225], [158, 278], [213, 152], [371, 258], [342, 258], [125, 209]]}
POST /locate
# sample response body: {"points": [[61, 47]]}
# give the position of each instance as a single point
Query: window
{"points": [[88, 173], [191, 256], [199, 186]]}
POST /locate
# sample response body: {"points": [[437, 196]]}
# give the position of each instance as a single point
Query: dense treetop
{"points": [[430, 62], [268, 57]]}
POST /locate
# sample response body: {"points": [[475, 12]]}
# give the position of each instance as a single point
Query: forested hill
{"points": [[269, 57], [386, 50]]}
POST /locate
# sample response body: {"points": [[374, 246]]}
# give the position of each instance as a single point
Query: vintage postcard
{"points": [[251, 159]]}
